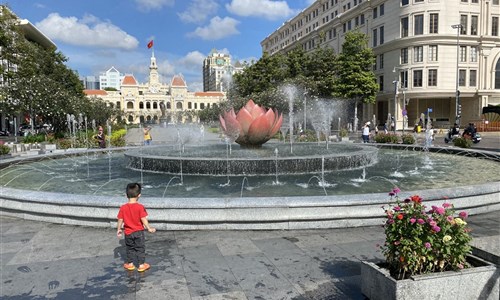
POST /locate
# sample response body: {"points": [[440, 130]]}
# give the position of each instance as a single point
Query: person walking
{"points": [[101, 138], [366, 132], [132, 217]]}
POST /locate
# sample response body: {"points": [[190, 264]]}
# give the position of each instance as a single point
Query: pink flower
{"points": [[439, 210], [420, 221], [413, 220], [436, 228], [432, 223], [446, 205], [460, 266], [449, 218], [463, 215], [397, 208], [427, 245], [390, 221], [397, 243], [396, 190], [391, 194]]}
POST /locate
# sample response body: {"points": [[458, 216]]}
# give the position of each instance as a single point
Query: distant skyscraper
{"points": [[217, 71], [90, 82], [111, 78]]}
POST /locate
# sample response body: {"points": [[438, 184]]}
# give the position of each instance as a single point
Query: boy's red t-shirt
{"points": [[131, 213]]}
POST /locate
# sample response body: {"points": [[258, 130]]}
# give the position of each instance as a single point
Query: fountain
{"points": [[318, 187]]}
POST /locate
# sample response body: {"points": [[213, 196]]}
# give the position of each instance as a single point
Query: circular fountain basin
{"points": [[214, 160], [88, 188]]}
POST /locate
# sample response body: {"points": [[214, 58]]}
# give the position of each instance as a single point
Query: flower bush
{"points": [[386, 138], [421, 240]]}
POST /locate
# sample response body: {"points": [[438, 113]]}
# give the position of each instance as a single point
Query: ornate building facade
{"points": [[218, 71], [154, 102], [442, 55]]}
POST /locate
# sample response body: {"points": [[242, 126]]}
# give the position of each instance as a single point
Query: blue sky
{"points": [[98, 34]]}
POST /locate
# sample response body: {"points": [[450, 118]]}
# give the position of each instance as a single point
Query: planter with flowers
{"points": [[427, 253]]}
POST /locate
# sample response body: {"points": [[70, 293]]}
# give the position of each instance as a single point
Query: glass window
{"points": [[418, 54], [463, 22], [433, 53], [472, 77], [497, 75], [381, 61], [463, 53], [381, 83], [475, 1], [494, 26], [461, 77], [473, 25], [473, 54], [403, 78], [495, 2], [404, 2], [418, 25], [433, 23], [404, 27], [382, 9], [417, 78], [374, 37], [375, 10], [362, 19], [381, 32], [432, 77], [404, 55]]}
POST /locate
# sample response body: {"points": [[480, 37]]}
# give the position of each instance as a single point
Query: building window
{"points": [[433, 53], [432, 77], [141, 105], [495, 2], [381, 32], [404, 2], [473, 25], [433, 23], [375, 10], [362, 19], [349, 25], [381, 61], [344, 27], [494, 26], [461, 77], [381, 83], [463, 22], [497, 75], [404, 27], [374, 36], [418, 54], [417, 78], [382, 9], [404, 56], [403, 77], [472, 77], [463, 53], [356, 21], [418, 24], [473, 54], [475, 1]]}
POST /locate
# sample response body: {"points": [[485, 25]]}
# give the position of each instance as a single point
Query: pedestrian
{"points": [[147, 136], [101, 138], [132, 217], [366, 133]]}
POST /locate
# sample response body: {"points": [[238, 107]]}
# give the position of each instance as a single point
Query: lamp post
{"points": [[458, 27], [396, 82]]}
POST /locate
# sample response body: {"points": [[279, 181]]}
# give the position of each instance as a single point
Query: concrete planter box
{"points": [[478, 282]]}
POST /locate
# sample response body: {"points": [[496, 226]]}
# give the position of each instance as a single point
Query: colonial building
{"points": [[218, 70], [154, 102], [442, 55]]}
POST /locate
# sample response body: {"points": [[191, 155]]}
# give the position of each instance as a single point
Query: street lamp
{"points": [[458, 27]]}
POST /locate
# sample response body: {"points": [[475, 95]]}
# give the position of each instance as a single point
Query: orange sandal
{"points": [[129, 266], [143, 267]]}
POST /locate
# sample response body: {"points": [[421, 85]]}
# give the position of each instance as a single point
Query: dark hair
{"points": [[133, 190]]}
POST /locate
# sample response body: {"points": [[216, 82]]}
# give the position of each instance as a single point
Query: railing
{"points": [[484, 126]]}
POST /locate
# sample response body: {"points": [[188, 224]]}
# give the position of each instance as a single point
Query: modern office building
{"points": [[431, 55], [155, 101], [90, 82], [218, 71], [112, 78]]}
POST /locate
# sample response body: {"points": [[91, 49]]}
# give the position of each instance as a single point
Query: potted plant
{"points": [[427, 251]]}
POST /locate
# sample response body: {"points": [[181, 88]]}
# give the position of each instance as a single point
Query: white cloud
{"points": [[217, 29], [147, 5], [89, 31], [271, 10], [198, 11], [192, 61]]}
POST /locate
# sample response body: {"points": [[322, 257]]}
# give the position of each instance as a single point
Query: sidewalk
{"points": [[41, 260]]}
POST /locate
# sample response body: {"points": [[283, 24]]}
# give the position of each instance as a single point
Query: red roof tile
{"points": [[95, 92], [177, 80], [129, 80], [208, 94]]}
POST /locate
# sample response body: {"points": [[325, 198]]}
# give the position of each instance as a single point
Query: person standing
{"points": [[147, 136], [101, 138], [132, 217], [366, 133]]}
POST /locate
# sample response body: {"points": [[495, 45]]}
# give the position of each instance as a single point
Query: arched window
{"points": [[148, 105], [155, 105], [141, 119], [148, 119], [130, 105], [141, 105], [169, 106], [178, 105], [131, 119], [497, 75], [118, 104]]}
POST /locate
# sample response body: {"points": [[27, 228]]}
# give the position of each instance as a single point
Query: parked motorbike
{"points": [[475, 137]]}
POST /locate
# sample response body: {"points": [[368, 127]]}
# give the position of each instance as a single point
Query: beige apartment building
{"points": [[155, 102], [426, 51]]}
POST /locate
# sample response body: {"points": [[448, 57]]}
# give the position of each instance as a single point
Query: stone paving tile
{"points": [[236, 295], [363, 250], [249, 260], [170, 289], [233, 246]]}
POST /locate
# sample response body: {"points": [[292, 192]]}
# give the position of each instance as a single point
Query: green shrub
{"points": [[118, 138], [387, 138], [63, 143], [4, 150], [462, 142], [38, 138], [343, 132], [408, 139]]}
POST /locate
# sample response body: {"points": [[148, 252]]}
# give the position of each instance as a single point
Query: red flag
{"points": [[150, 44]]}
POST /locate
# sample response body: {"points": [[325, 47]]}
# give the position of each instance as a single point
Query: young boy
{"points": [[132, 216]]}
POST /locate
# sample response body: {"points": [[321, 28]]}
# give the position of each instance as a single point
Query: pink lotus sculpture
{"points": [[252, 126]]}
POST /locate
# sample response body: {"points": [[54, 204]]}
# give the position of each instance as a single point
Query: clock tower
{"points": [[154, 80]]}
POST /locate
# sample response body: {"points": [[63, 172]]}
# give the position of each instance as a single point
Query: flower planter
{"points": [[478, 282]]}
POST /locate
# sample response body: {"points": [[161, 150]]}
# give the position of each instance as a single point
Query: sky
{"points": [[96, 35]]}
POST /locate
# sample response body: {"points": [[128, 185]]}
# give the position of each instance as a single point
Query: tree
{"points": [[355, 78]]}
